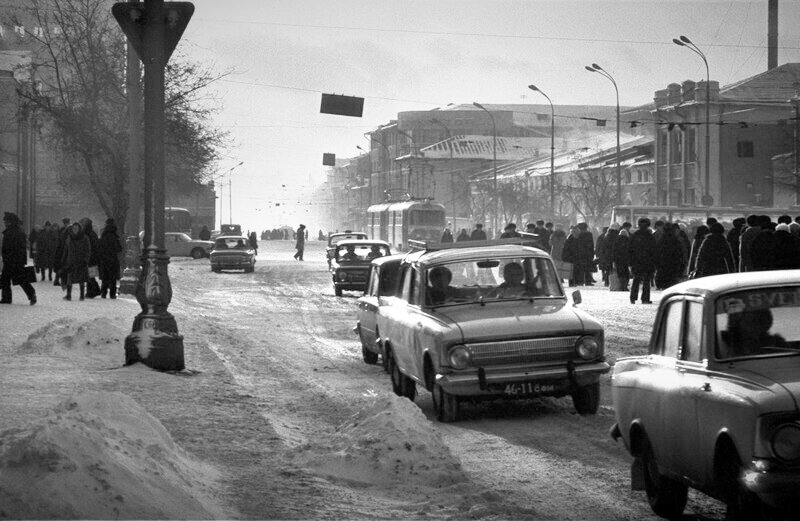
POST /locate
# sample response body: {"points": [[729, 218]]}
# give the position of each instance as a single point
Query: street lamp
{"points": [[795, 100], [596, 68], [452, 183], [494, 163], [230, 192], [686, 42], [552, 150]]}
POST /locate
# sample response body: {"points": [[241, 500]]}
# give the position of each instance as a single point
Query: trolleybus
{"points": [[399, 222]]}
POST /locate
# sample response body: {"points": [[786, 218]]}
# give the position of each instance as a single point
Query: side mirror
{"points": [[576, 297]]}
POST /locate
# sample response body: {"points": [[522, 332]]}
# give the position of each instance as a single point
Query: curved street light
{"points": [[683, 41], [596, 68], [494, 163], [552, 151]]}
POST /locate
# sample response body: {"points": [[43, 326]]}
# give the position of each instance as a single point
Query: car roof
{"points": [[476, 249], [716, 284], [388, 259], [233, 237], [362, 242]]}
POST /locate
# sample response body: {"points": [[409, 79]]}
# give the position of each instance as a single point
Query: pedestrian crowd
{"points": [[661, 254], [67, 255]]}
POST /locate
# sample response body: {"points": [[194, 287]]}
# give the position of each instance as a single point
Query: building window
{"points": [[744, 149], [627, 177]]}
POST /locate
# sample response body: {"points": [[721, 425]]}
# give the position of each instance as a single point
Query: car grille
{"points": [[522, 351]]}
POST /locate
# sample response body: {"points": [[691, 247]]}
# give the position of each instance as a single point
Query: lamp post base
{"points": [[155, 342], [154, 339]]}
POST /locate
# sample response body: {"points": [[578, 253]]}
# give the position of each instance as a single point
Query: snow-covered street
{"points": [[277, 417]]}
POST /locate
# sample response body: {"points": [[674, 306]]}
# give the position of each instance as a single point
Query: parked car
{"points": [[335, 237], [178, 244], [233, 252], [713, 405], [487, 322], [384, 281], [349, 266]]}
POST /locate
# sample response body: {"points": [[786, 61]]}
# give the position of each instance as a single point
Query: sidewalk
{"points": [[82, 436]]}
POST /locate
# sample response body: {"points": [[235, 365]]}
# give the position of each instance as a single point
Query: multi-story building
{"points": [[724, 158]]}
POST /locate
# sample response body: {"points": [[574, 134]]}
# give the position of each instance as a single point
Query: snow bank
{"points": [[100, 456], [388, 442], [98, 340]]}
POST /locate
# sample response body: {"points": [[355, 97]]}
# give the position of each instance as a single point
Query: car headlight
{"points": [[588, 348], [342, 276], [786, 442], [459, 357]]}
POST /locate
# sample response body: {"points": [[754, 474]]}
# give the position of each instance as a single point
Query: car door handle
{"points": [[706, 387]]}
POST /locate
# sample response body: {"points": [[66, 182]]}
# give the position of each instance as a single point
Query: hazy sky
{"points": [[419, 55]]}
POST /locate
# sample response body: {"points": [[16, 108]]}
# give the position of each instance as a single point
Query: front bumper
{"points": [[776, 488], [493, 381]]}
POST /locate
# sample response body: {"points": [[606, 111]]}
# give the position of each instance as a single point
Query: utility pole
{"points": [[154, 30]]}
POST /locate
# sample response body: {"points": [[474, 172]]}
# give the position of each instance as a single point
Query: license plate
{"points": [[519, 389]]}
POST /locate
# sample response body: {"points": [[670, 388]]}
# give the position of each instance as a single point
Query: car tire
{"points": [[402, 385], [198, 253], [215, 270], [445, 405], [338, 291], [368, 356], [587, 399], [667, 497]]}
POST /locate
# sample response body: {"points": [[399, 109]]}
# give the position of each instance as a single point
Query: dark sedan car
{"points": [[233, 253], [350, 263]]}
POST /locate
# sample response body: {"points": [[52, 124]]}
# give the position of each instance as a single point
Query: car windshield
{"points": [[361, 252], [758, 323], [231, 243], [491, 279]]}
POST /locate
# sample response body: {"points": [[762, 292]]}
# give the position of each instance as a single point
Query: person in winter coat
{"points": [[462, 235], [510, 231], [108, 250], [751, 230], [15, 257], [300, 245], [205, 234], [252, 239], [733, 238], [699, 236], [643, 260], [92, 286], [48, 243], [786, 248], [714, 256], [602, 250], [621, 258], [447, 236], [478, 234], [762, 248], [77, 253], [570, 253], [585, 263], [58, 260], [671, 259]]}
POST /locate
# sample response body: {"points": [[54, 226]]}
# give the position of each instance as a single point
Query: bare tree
{"points": [[77, 89], [591, 192]]}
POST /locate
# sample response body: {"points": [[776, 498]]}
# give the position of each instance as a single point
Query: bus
{"points": [[687, 214], [399, 222], [177, 220]]}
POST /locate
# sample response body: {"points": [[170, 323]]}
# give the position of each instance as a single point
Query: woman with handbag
{"points": [[15, 257]]}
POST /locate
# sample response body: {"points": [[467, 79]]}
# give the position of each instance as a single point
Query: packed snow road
{"points": [[288, 344]]}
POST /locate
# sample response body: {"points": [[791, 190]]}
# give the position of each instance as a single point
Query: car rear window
{"points": [[231, 243], [758, 322]]}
